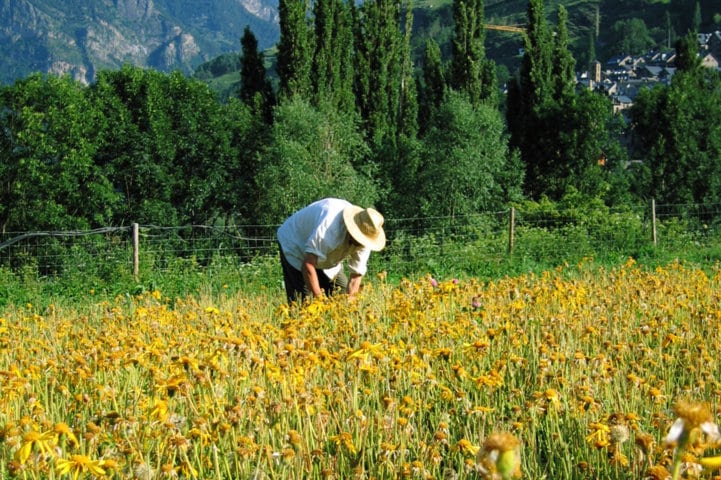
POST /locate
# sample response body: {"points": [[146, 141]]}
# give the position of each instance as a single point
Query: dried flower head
{"points": [[500, 457], [692, 418]]}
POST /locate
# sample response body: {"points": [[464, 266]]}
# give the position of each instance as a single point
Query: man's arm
{"points": [[354, 283], [310, 275]]}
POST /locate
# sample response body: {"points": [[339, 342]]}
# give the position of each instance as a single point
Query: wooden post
{"points": [[653, 221], [136, 251], [511, 231]]}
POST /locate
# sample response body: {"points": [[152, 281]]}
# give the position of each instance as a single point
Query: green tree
{"points": [[433, 86], [563, 71], [332, 72], [295, 49], [470, 71], [530, 92], [467, 168], [408, 108], [385, 84], [697, 19], [592, 58], [256, 90], [533, 87], [311, 155], [236, 195], [576, 148], [164, 146], [629, 36], [687, 58], [677, 134], [537, 63], [385, 87], [49, 177], [125, 152]]}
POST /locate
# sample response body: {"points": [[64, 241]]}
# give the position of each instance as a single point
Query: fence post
{"points": [[136, 251], [653, 221], [511, 231]]}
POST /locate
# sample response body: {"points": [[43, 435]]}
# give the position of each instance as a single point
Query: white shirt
{"points": [[319, 229]]}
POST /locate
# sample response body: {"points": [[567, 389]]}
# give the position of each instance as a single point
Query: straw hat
{"points": [[365, 225]]}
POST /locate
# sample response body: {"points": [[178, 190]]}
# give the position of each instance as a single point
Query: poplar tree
{"points": [[433, 85], [384, 84], [408, 109], [386, 93], [536, 67], [377, 46], [532, 87], [471, 72], [255, 88], [332, 72], [563, 65], [295, 49], [565, 139]]}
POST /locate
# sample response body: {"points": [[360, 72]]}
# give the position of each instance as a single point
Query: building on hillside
{"points": [[621, 103], [710, 61], [623, 76]]}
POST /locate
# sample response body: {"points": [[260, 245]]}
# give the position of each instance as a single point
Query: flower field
{"points": [[586, 372]]}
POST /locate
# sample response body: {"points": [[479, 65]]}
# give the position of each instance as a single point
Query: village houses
{"points": [[623, 76]]}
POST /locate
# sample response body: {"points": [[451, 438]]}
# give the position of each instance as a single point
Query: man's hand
{"points": [[354, 283]]}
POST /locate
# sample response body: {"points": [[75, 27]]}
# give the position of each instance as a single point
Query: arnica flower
{"points": [[43, 441], [346, 440], [78, 465], [500, 457], [160, 410], [62, 429]]}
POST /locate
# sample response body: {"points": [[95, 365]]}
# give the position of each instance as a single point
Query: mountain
{"points": [[80, 37]]}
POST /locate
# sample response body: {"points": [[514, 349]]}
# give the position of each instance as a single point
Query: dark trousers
{"points": [[297, 290]]}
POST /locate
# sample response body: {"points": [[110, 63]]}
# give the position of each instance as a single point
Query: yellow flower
{"points": [[711, 463], [294, 437], [78, 465], [466, 447], [160, 410], [63, 429], [42, 441], [346, 440], [187, 469]]}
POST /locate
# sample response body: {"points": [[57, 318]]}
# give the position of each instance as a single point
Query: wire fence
{"points": [[414, 244]]}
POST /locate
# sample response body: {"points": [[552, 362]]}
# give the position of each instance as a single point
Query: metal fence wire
{"points": [[414, 244]]}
